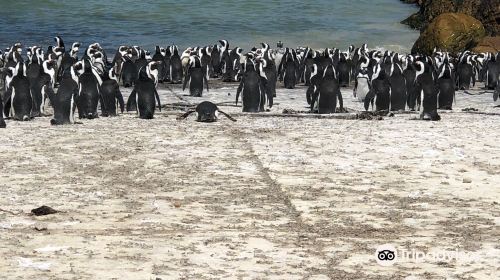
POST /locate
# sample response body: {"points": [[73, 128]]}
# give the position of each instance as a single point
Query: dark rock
{"points": [[43, 210]]}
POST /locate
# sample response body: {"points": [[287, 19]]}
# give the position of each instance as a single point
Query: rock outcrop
{"points": [[452, 32], [486, 11], [488, 44]]}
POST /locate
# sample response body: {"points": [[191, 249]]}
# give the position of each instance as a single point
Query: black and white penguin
{"points": [[231, 65], [195, 77], [142, 98], [492, 71], [41, 86], [160, 58], [290, 69], [398, 92], [315, 80], [216, 61], [269, 68], [88, 91], [362, 83], [18, 101], [129, 71], [380, 92], [141, 61], [328, 95], [344, 70], [425, 82], [412, 91], [206, 111], [252, 89], [446, 87], [465, 73], [68, 59], [64, 102], [176, 70], [111, 94], [206, 61]]}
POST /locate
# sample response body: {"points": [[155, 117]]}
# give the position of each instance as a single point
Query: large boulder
{"points": [[453, 32], [487, 11], [488, 44]]}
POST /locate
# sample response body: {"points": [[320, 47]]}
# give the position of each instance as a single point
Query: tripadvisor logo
{"points": [[387, 255]]}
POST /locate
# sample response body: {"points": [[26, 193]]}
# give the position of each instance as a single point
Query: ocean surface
{"points": [[244, 23]]}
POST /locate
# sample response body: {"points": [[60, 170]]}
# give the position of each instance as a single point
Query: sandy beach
{"points": [[260, 198]]}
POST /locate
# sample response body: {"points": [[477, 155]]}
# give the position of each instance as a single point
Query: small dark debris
{"points": [[43, 210], [470, 109]]}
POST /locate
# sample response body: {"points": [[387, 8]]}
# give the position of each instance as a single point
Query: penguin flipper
{"points": [[186, 79], [238, 91], [206, 81], [158, 100], [496, 93], [341, 101], [185, 115], [227, 115], [368, 99], [314, 98], [119, 97], [131, 106]]}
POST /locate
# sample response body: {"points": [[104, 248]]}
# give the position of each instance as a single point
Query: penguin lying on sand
{"points": [[206, 111]]}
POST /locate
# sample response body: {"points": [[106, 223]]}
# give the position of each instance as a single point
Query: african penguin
{"points": [[142, 99]]}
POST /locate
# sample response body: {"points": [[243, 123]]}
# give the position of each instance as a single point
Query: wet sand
{"points": [[260, 198]]}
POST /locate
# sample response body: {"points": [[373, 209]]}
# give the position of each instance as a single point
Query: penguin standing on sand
{"points": [[380, 91], [424, 81], [176, 70], [446, 86], [398, 88], [289, 70], [41, 86], [111, 94], [195, 77], [160, 58], [362, 82], [142, 98], [492, 72], [315, 80], [18, 101], [64, 102], [465, 73], [88, 91], [325, 98], [129, 71], [68, 59], [252, 88]]}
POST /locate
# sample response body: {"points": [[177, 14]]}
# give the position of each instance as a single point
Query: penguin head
{"points": [[194, 62], [224, 44], [152, 71], [123, 50], [78, 67], [265, 47], [59, 42]]}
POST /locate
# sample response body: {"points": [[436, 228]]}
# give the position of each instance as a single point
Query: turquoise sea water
{"points": [[319, 24]]}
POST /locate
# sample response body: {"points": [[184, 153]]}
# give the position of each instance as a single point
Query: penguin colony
{"points": [[383, 81]]}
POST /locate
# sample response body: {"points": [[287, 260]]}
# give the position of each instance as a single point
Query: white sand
{"points": [[261, 198]]}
